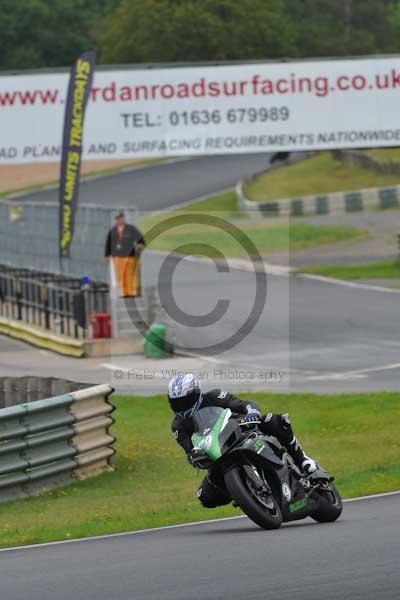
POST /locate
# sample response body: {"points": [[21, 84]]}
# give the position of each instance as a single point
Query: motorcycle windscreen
{"points": [[206, 418]]}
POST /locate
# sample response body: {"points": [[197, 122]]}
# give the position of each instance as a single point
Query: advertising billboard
{"points": [[220, 109]]}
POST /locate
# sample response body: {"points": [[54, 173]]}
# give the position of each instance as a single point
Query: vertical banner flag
{"points": [[80, 84]]}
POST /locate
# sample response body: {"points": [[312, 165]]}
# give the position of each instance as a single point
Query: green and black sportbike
{"points": [[260, 476]]}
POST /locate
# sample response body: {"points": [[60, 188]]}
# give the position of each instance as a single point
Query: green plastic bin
{"points": [[154, 341]]}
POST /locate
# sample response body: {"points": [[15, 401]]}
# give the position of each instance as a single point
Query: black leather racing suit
{"points": [[213, 493]]}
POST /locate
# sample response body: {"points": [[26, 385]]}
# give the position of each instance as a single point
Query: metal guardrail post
{"points": [[85, 285], [18, 295]]}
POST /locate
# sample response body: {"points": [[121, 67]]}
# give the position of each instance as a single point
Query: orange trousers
{"points": [[127, 270]]}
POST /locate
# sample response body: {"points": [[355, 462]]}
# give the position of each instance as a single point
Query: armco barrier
{"points": [[20, 390], [51, 442], [369, 199]]}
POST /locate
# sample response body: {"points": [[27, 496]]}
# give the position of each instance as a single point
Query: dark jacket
{"points": [[124, 245], [184, 428]]}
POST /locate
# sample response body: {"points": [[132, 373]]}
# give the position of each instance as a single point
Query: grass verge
{"points": [[278, 238], [321, 174], [265, 235], [387, 269], [154, 485]]}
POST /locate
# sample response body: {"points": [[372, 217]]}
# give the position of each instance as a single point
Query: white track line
{"points": [[350, 284], [167, 527], [111, 367], [203, 357], [358, 374], [154, 374], [372, 496], [234, 264], [243, 264]]}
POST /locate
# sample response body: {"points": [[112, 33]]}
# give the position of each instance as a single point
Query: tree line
{"points": [[51, 33]]}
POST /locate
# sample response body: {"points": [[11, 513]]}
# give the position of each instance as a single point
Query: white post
{"points": [[114, 293]]}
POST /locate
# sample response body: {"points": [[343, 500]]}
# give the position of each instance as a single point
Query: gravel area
{"points": [[15, 177]]}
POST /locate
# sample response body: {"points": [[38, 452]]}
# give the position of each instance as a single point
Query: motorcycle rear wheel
{"points": [[330, 506], [238, 487]]}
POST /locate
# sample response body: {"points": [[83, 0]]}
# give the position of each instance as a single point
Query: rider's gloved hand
{"points": [[196, 457], [252, 415]]}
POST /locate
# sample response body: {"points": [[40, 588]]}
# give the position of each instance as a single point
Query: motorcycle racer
{"points": [[186, 398]]}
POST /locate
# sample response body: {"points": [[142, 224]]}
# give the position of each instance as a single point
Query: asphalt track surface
{"points": [[319, 332], [164, 185], [341, 339], [356, 558], [325, 337]]}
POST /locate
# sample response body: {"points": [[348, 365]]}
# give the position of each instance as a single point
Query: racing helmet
{"points": [[185, 395]]}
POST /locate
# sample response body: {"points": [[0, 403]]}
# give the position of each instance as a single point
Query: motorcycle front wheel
{"points": [[262, 508]]}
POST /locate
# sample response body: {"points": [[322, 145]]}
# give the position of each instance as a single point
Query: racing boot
{"points": [[308, 466], [304, 463]]}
